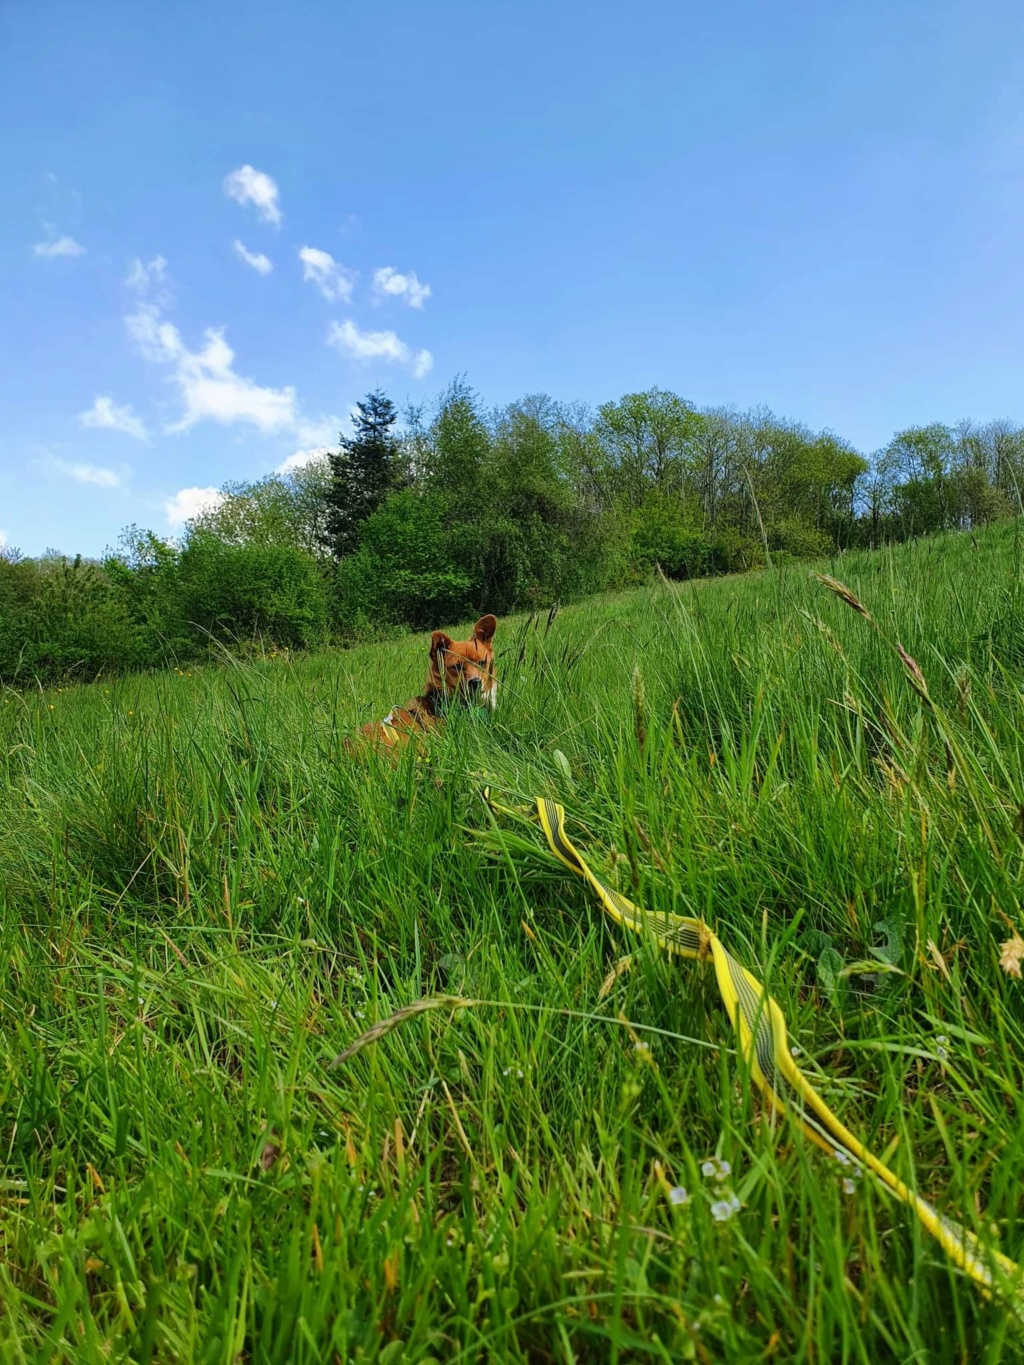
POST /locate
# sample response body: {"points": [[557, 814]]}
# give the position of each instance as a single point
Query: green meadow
{"points": [[204, 899]]}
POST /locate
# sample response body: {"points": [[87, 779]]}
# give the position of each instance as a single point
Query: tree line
{"points": [[456, 510]]}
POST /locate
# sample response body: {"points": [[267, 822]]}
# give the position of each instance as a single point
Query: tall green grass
{"points": [[204, 900]]}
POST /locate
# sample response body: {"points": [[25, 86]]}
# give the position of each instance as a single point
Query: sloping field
{"points": [[204, 900]]}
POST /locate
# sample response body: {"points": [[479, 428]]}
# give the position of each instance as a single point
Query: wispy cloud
{"points": [[188, 503], [142, 275], [88, 473], [387, 346], [347, 337], [301, 459], [316, 437], [155, 339], [388, 283], [106, 415], [263, 265], [3, 540], [61, 246], [249, 186], [322, 430], [320, 268], [206, 379]]}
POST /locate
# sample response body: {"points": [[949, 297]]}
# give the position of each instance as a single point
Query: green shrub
{"points": [[62, 618], [405, 571], [235, 592]]}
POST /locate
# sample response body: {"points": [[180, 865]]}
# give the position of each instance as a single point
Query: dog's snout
{"points": [[474, 684]]}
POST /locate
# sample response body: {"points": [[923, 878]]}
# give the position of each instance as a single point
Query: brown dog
{"points": [[460, 671]]}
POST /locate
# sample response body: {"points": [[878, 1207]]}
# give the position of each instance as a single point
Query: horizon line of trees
{"points": [[461, 510]]}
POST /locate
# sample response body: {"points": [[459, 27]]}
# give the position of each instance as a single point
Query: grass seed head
{"points": [[1011, 955], [822, 629], [844, 594], [384, 1026], [639, 706], [917, 679]]}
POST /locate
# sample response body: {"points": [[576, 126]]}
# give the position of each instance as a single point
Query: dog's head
{"points": [[464, 669]]}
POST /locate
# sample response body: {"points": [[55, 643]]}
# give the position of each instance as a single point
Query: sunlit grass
{"points": [[204, 901]]}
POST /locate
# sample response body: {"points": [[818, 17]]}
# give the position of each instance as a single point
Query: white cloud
{"points": [[301, 458], [320, 268], [263, 265], [316, 438], [157, 340], [188, 503], [358, 345], [388, 283], [3, 540], [141, 276], [88, 473], [63, 246], [210, 388], [422, 364], [322, 430], [249, 186], [347, 337], [105, 414]]}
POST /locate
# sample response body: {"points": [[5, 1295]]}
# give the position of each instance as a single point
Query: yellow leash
{"points": [[761, 1031]]}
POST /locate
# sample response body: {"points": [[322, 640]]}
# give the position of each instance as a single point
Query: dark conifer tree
{"points": [[363, 472]]}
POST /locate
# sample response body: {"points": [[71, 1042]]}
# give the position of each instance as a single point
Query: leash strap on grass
{"points": [[761, 1031]]}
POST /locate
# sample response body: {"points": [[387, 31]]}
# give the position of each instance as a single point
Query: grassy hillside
{"points": [[204, 900]]}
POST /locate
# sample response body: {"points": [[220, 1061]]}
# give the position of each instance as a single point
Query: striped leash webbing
{"points": [[761, 1032]]}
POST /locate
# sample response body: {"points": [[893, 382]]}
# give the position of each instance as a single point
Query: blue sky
{"points": [[819, 207]]}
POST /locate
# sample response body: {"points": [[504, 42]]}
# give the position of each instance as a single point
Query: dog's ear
{"points": [[439, 641], [484, 629]]}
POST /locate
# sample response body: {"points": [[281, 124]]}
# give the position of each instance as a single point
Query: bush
{"points": [[792, 539], [61, 618], [663, 536], [18, 585], [235, 592], [405, 571], [145, 575]]}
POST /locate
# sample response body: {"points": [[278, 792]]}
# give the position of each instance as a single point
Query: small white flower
{"points": [[723, 1209], [795, 1050], [716, 1169], [679, 1195], [852, 1168], [941, 1050], [642, 1047]]}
